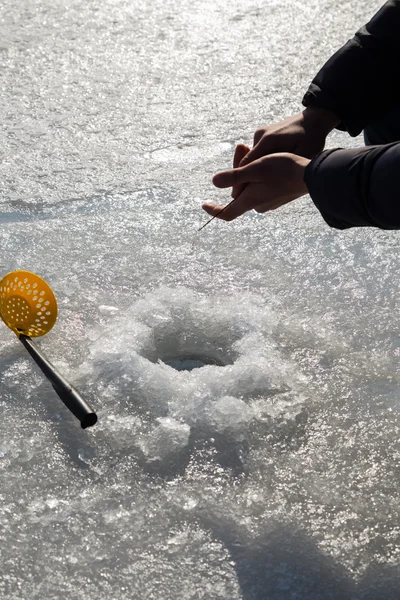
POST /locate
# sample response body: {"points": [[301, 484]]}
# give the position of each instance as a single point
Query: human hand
{"points": [[303, 134], [269, 182]]}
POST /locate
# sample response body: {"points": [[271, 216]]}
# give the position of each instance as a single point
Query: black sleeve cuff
{"points": [[357, 187]]}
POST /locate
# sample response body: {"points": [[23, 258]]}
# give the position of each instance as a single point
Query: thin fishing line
{"points": [[218, 213]]}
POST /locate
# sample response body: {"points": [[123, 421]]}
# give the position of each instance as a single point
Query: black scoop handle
{"points": [[68, 394]]}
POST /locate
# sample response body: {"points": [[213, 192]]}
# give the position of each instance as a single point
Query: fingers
{"points": [[257, 152], [227, 213], [248, 199], [249, 174], [240, 152], [258, 135], [262, 145], [214, 209]]}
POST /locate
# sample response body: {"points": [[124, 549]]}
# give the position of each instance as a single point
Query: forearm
{"points": [[357, 187], [321, 119], [362, 79]]}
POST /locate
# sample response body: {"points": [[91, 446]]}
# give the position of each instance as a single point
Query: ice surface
{"points": [[270, 472], [167, 438]]}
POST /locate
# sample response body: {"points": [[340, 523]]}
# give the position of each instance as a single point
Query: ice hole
{"points": [[188, 350], [188, 363]]}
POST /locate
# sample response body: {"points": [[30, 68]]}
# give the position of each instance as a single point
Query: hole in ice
{"points": [[186, 352], [187, 336], [188, 363]]}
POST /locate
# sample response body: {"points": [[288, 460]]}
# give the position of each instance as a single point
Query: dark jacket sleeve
{"points": [[357, 187], [362, 79]]}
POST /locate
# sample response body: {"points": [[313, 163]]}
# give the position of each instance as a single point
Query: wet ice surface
{"points": [[273, 470]]}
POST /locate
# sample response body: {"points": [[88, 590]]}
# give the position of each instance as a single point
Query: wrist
{"points": [[321, 117], [300, 163]]}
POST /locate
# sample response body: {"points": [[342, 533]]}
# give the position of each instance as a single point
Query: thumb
{"points": [[247, 174]]}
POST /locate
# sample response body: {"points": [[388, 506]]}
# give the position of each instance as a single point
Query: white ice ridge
{"points": [[246, 374]]}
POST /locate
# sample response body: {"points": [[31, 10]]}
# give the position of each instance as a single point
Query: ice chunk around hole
{"points": [[230, 416], [232, 367], [167, 438]]}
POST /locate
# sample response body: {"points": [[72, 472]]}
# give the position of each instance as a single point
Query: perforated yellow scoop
{"points": [[27, 303], [28, 306]]}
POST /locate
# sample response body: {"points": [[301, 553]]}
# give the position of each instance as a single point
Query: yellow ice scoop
{"points": [[28, 307]]}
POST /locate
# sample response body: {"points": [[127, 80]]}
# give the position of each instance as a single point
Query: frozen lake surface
{"points": [[246, 377]]}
